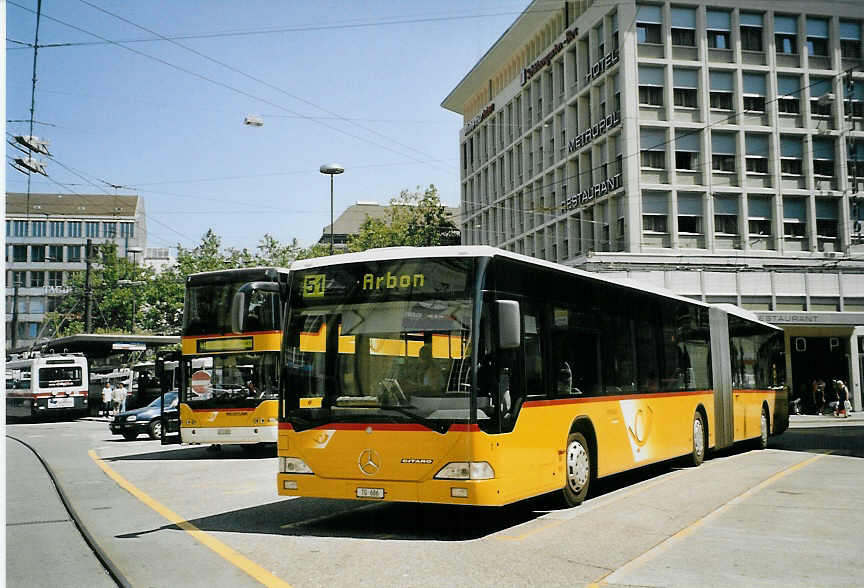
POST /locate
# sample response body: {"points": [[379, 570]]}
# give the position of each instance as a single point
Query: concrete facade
{"points": [[708, 147]]}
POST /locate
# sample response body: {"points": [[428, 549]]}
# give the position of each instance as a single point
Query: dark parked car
{"points": [[147, 419]]}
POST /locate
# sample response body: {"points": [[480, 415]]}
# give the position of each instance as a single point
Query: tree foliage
{"points": [[416, 219]]}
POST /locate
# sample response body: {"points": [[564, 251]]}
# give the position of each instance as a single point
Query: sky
{"points": [[355, 83]]}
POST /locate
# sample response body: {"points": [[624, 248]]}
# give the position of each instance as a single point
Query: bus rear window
{"points": [[57, 377]]}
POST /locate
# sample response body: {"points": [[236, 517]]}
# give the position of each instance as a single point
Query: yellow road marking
{"points": [[588, 508], [666, 543], [221, 549]]}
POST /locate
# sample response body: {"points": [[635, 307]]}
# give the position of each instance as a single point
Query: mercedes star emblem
{"points": [[369, 462]]}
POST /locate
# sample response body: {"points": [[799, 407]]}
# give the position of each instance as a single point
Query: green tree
{"points": [[416, 219]]}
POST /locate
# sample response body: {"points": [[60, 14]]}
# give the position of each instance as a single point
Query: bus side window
{"points": [[533, 356]]}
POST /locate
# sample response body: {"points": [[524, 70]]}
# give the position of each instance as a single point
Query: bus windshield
{"points": [[358, 351], [56, 377], [207, 310], [237, 380]]}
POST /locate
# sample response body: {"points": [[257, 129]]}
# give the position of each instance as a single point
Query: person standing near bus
{"points": [[120, 398], [107, 397]]}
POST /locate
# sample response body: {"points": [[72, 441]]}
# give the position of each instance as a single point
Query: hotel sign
{"points": [[531, 70], [598, 129], [602, 65], [472, 124], [595, 191]]}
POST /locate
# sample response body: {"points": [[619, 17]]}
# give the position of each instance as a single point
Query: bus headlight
{"points": [[466, 470], [293, 465]]}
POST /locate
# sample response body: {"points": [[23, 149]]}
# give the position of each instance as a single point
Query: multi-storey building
{"points": [[714, 148], [46, 237]]}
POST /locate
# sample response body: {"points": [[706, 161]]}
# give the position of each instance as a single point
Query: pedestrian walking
{"points": [[107, 397], [843, 404], [120, 398]]}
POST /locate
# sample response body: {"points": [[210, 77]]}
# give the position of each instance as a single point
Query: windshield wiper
{"points": [[435, 425]]}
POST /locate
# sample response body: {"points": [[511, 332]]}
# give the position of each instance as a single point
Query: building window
{"points": [[753, 86], [37, 279], [20, 228], [655, 210], [757, 153], [823, 157], [685, 82], [653, 148], [109, 230], [726, 215], [759, 215], [55, 253], [721, 90], [817, 37], [821, 98], [788, 94], [683, 27], [751, 31], [690, 213], [687, 148], [19, 279], [718, 29], [613, 37], [37, 253], [649, 21], [651, 82], [73, 253], [826, 218], [92, 229], [790, 155], [19, 253], [850, 39], [39, 228], [75, 229], [723, 152], [854, 94], [56, 228], [786, 34], [794, 217], [55, 278]]}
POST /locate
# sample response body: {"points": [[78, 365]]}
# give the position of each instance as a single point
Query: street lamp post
{"points": [[131, 283], [331, 169]]}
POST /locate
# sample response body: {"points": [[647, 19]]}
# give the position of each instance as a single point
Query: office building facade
{"points": [[713, 148], [46, 237]]}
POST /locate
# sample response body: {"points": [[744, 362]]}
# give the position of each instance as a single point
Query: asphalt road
{"points": [[790, 515]]}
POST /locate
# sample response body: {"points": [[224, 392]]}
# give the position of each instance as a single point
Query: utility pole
{"points": [[88, 295]]}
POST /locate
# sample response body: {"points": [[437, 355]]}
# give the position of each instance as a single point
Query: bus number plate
{"points": [[223, 431], [61, 403], [370, 492]]}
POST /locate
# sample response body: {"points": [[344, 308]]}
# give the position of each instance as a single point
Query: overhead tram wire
{"points": [[221, 84], [309, 28], [260, 81]]}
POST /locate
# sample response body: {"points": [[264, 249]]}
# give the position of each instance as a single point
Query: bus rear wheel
{"points": [[697, 455], [577, 470]]}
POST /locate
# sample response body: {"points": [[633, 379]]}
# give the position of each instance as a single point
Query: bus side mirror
{"points": [[509, 325], [238, 312]]}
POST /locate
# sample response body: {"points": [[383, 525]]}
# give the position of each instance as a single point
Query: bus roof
{"points": [[235, 275], [396, 253]]}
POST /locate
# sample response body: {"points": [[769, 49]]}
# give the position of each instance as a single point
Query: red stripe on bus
{"points": [[285, 427], [384, 427], [558, 401]]}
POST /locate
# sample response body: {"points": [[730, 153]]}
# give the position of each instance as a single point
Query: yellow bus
{"points": [[230, 376], [472, 375]]}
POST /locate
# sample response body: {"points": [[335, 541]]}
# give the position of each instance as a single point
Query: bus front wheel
{"points": [[577, 470], [698, 453]]}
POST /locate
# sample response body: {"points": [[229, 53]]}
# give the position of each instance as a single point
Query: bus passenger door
{"points": [[170, 379]]}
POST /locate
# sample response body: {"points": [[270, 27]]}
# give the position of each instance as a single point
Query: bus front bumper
{"points": [[469, 492], [228, 435]]}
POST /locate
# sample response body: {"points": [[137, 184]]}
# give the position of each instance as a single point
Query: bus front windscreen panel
{"points": [[380, 342], [236, 380]]}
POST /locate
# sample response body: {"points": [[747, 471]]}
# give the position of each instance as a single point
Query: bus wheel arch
{"points": [[699, 441], [580, 462]]}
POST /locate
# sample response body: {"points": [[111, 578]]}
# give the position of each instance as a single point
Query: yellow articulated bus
{"points": [[472, 375], [230, 376]]}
